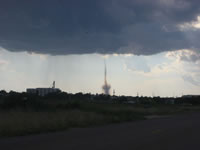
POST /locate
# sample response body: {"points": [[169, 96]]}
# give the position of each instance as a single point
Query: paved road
{"points": [[172, 133]]}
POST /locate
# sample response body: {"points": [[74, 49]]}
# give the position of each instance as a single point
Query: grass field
{"points": [[15, 122]]}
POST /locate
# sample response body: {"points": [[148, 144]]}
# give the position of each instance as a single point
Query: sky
{"points": [[151, 47]]}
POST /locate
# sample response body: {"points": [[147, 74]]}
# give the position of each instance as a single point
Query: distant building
{"points": [[43, 91]]}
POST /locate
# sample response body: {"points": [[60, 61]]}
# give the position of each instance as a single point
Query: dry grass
{"points": [[15, 122], [22, 122]]}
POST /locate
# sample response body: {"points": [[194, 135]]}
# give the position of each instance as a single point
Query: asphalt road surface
{"points": [[180, 132]]}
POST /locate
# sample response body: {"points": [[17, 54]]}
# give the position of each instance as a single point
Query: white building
{"points": [[43, 91]]}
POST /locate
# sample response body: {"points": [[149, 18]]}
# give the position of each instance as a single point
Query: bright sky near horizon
{"points": [[163, 74]]}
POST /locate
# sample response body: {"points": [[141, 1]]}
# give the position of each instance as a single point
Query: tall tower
{"points": [[106, 87], [105, 73], [54, 85]]}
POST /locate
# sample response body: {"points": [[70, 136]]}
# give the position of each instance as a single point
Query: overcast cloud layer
{"points": [[99, 26]]}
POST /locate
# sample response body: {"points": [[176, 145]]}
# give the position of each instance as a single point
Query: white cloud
{"points": [[190, 25], [123, 55], [184, 55], [41, 56], [188, 64], [182, 64], [191, 79]]}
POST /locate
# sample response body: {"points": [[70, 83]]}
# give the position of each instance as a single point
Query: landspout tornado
{"points": [[106, 87]]}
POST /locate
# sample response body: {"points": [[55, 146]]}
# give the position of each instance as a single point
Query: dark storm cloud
{"points": [[97, 26]]}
